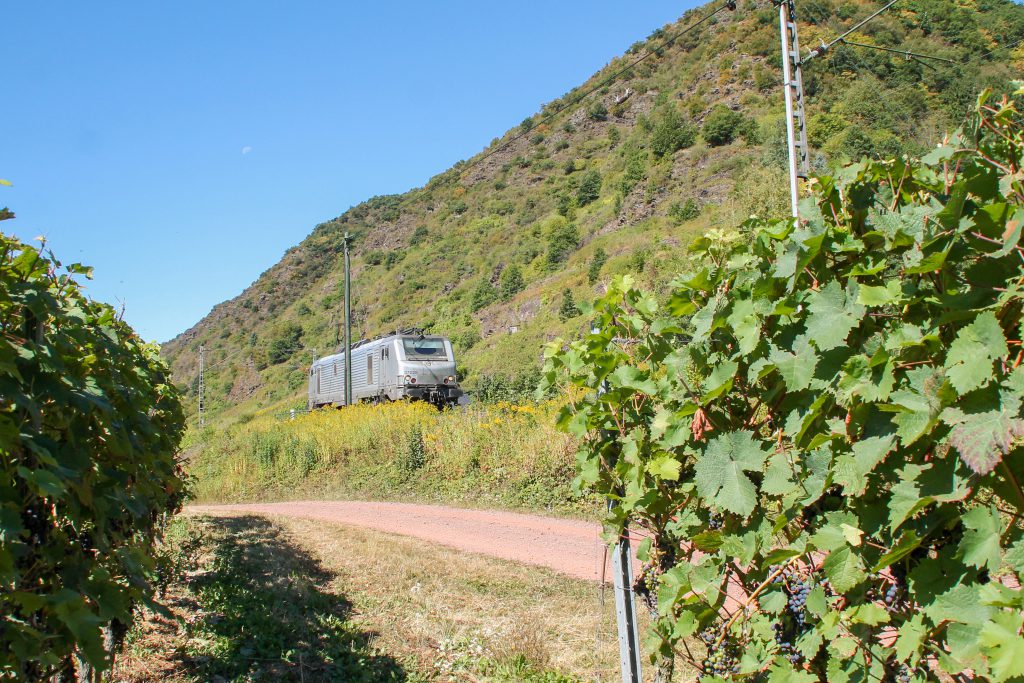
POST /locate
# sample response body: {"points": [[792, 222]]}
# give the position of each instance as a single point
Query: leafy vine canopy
{"points": [[820, 427]]}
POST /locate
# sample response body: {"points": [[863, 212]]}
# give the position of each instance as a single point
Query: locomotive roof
{"points": [[375, 343]]}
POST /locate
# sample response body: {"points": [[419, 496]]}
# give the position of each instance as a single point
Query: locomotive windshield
{"points": [[424, 349]]}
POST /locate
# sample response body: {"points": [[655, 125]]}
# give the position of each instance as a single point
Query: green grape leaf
{"points": [[969, 361], [1001, 641], [720, 472], [832, 317], [979, 546], [852, 469], [844, 569], [796, 369], [982, 439]]}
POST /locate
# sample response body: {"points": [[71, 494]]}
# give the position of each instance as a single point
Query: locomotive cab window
{"points": [[424, 349]]}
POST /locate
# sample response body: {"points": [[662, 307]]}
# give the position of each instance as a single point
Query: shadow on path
{"points": [[265, 613]]}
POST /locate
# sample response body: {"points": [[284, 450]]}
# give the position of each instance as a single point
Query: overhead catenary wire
{"points": [[607, 80]]}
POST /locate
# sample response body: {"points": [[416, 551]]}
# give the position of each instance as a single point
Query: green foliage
{"points": [[568, 308], [597, 262], [420, 234], [636, 170], [682, 212], [830, 413], [286, 343], [671, 133], [721, 126], [563, 240], [598, 111], [484, 294], [527, 125], [89, 427], [511, 282], [415, 454], [517, 388], [589, 189]]}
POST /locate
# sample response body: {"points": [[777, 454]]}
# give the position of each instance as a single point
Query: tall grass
{"points": [[505, 455]]}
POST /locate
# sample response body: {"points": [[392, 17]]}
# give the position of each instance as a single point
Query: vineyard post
{"points": [[348, 323], [625, 605], [793, 85]]}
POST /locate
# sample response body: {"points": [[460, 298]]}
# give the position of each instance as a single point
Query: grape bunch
{"points": [[786, 647], [722, 660], [797, 589], [715, 521], [891, 594]]}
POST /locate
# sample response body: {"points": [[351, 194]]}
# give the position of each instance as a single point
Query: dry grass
{"points": [[447, 609]]}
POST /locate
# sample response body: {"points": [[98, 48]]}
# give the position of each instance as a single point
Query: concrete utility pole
{"points": [[793, 84], [348, 323], [202, 385]]}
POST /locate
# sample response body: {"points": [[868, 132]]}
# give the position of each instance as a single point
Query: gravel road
{"points": [[570, 547]]}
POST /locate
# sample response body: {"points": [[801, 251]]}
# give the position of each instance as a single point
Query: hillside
{"points": [[619, 180]]}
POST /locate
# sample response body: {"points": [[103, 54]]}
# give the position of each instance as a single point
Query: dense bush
{"points": [[520, 387], [484, 294], [89, 426], [822, 429], [598, 111], [286, 343], [671, 133], [685, 211], [721, 126]]}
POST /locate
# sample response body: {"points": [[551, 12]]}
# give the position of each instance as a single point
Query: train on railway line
{"points": [[406, 365]]}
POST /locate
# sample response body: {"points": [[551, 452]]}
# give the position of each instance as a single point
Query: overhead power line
{"points": [[907, 53], [825, 47], [728, 5]]}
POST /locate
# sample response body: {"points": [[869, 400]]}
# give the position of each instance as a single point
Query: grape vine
{"points": [[89, 427], [822, 425]]}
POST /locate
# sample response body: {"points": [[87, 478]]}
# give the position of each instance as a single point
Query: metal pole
{"points": [[796, 124], [348, 324], [625, 605], [625, 609], [202, 387]]}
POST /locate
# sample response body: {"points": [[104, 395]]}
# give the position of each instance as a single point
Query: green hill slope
{"points": [[689, 138]]}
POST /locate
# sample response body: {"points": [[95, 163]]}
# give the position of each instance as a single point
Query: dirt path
{"points": [[570, 547]]}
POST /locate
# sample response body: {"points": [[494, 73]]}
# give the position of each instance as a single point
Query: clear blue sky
{"points": [[180, 148]]}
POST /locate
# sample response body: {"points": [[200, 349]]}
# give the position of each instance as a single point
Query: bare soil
{"points": [[570, 547]]}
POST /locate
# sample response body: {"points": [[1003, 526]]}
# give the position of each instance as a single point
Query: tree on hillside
{"points": [[589, 189], [562, 242], [568, 308], [483, 295], [597, 262], [511, 282]]}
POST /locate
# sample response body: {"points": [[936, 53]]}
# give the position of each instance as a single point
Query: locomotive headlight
{"points": [[448, 380], [410, 379]]}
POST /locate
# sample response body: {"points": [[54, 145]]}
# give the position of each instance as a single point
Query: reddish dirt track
{"points": [[569, 547]]}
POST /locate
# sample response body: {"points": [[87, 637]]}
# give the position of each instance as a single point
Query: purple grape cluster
{"points": [[798, 590], [722, 659], [715, 521], [786, 648]]}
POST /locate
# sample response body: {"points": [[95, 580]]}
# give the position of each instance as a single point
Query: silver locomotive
{"points": [[410, 366]]}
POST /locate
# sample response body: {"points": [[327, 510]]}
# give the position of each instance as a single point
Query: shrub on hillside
{"points": [[589, 189], [563, 240], [721, 126], [484, 294], [598, 111], [287, 341], [686, 211], [671, 132], [89, 428]]}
